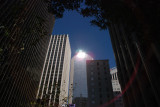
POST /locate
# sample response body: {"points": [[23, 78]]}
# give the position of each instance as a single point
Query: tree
{"points": [[15, 34], [135, 15], [56, 101], [100, 10], [57, 7]]}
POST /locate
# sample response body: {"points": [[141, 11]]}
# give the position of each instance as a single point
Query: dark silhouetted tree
{"points": [[57, 7], [100, 10]]}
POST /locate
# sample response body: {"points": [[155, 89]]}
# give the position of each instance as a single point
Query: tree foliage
{"points": [[104, 11], [57, 7], [94, 9], [99, 10]]}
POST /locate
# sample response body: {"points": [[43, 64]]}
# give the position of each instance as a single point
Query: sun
{"points": [[81, 54]]}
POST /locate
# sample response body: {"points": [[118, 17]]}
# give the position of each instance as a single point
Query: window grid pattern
{"points": [[50, 83], [99, 79], [21, 67]]}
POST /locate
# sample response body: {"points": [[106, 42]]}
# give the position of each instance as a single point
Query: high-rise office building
{"points": [[25, 29], [99, 84], [54, 83], [135, 39], [116, 88], [78, 80]]}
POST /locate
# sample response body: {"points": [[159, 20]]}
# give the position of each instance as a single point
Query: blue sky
{"points": [[85, 37]]}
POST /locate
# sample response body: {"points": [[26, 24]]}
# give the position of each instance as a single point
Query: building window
{"points": [[92, 63], [92, 90], [91, 73], [107, 89], [100, 95], [100, 89], [92, 78], [93, 102], [101, 102], [92, 84], [118, 88]]}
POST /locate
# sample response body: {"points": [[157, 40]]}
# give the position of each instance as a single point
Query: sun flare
{"points": [[81, 54]]}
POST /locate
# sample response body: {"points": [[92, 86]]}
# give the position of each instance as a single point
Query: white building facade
{"points": [[116, 87], [115, 81], [54, 82]]}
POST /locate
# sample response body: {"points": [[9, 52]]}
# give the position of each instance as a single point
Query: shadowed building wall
{"points": [[99, 84], [25, 29], [135, 39]]}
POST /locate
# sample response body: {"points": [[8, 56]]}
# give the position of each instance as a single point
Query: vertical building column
{"points": [[133, 61], [48, 64], [56, 64], [127, 62], [43, 67], [116, 76], [120, 63]]}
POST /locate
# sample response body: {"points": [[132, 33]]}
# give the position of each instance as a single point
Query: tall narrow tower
{"points": [[78, 80], [135, 40], [53, 87]]}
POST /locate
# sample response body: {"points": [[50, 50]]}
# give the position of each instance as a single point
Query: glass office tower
{"points": [[78, 79]]}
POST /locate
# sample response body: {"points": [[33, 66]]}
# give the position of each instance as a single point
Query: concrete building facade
{"points": [[116, 88], [99, 84], [54, 80]]}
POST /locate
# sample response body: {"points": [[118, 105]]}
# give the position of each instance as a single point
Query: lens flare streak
{"points": [[127, 86]]}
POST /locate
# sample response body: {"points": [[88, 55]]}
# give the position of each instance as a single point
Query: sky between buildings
{"points": [[85, 37]]}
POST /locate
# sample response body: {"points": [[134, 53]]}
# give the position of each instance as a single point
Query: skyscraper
{"points": [[135, 39], [25, 29], [116, 88], [99, 84], [54, 83], [78, 80]]}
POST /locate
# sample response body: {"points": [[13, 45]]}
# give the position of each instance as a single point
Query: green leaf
{"points": [[1, 49]]}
